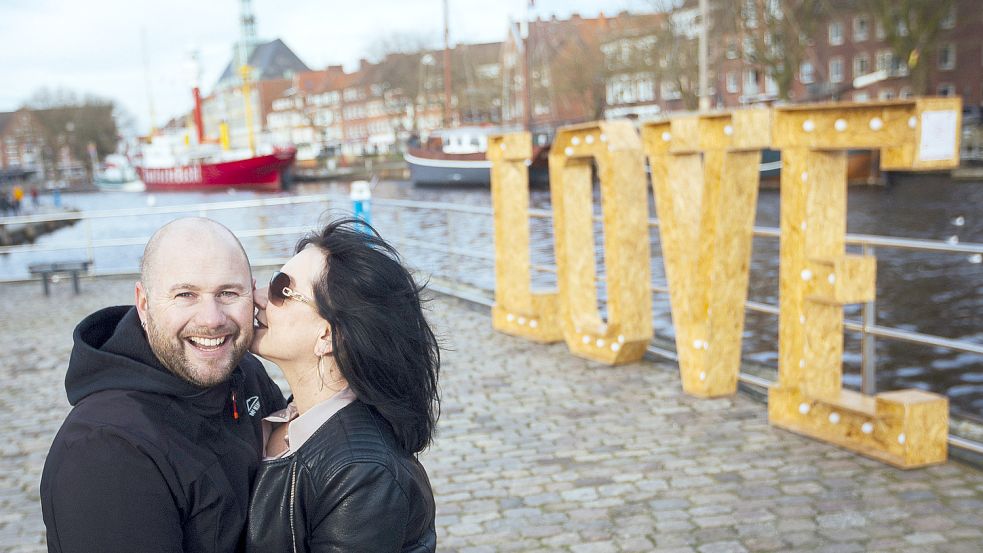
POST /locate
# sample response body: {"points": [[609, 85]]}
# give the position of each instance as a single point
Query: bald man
{"points": [[165, 435]]}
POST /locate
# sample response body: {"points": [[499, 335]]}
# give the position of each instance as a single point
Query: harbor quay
{"points": [[541, 451]]}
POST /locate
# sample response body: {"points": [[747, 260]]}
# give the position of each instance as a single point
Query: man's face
{"points": [[198, 310]]}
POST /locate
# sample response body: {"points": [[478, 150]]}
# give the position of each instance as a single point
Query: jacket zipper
{"points": [[293, 497], [237, 381]]}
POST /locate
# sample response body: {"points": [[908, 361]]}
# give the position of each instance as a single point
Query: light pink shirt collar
{"points": [[302, 427]]}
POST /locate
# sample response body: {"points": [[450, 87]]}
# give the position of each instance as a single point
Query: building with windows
{"points": [[21, 146], [848, 42]]}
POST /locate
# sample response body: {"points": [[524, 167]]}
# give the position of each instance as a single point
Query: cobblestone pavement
{"points": [[540, 451]]}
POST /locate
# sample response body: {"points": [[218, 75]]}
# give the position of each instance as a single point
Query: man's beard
{"points": [[170, 350]]}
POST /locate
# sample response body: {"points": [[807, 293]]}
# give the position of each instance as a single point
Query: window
{"points": [[885, 94], [670, 91], [861, 65], [749, 12], [750, 82], [947, 57], [774, 8], [835, 33], [731, 49], [732, 82], [879, 31], [836, 70], [884, 60], [645, 83], [807, 73], [949, 21], [905, 92], [771, 86], [946, 89], [861, 28], [748, 47], [861, 97]]}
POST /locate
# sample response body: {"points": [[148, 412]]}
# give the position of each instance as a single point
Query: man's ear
{"points": [[141, 301]]}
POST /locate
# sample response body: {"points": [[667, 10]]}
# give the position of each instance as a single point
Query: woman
{"points": [[343, 321]]}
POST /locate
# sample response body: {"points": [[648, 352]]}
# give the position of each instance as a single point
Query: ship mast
{"points": [[194, 70], [447, 67], [247, 37], [146, 76], [526, 59]]}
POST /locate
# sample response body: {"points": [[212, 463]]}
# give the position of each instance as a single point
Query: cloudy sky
{"points": [[98, 46]]}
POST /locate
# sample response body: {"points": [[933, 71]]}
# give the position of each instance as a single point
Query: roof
{"points": [[270, 60]]}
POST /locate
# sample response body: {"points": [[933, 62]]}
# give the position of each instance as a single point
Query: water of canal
{"points": [[934, 293]]}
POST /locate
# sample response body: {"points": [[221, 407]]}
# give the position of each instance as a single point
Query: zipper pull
{"points": [[235, 405]]}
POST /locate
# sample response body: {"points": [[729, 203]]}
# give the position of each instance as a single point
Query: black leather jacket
{"points": [[349, 488]]}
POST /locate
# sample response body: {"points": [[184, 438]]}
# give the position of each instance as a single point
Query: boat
{"points": [[458, 157], [209, 168], [117, 174], [185, 159]]}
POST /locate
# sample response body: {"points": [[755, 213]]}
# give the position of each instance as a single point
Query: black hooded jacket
{"points": [[147, 461]]}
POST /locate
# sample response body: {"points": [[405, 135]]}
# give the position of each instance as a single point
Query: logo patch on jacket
{"points": [[252, 405]]}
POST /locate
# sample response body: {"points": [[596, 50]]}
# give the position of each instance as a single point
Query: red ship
{"points": [[262, 172], [176, 162]]}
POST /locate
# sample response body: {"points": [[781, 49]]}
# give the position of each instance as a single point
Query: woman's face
{"points": [[287, 333]]}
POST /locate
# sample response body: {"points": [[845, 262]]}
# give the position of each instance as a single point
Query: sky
{"points": [[137, 52]]}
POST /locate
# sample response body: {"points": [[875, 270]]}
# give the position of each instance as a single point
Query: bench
{"points": [[47, 270]]}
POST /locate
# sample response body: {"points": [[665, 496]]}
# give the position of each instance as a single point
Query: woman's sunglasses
{"points": [[280, 290]]}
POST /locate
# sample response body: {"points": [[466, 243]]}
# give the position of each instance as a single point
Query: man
{"points": [[165, 436]]}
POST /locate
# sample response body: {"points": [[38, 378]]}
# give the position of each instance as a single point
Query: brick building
{"points": [[380, 106], [21, 146], [847, 42], [273, 67]]}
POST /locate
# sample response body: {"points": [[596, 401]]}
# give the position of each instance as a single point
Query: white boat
{"points": [[117, 174], [458, 157]]}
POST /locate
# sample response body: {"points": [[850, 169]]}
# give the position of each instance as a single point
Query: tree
{"points": [[568, 71], [775, 34], [912, 28], [678, 65], [68, 120]]}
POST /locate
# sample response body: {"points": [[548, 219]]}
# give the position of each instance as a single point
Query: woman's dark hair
{"points": [[381, 340]]}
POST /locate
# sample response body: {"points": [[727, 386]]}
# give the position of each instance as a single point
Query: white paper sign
{"points": [[938, 138]]}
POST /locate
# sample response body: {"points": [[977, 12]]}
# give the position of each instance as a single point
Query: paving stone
{"points": [[924, 538], [722, 547], [539, 451]]}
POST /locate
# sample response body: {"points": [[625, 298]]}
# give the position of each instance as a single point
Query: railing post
{"points": [[89, 248], [450, 247], [868, 344]]}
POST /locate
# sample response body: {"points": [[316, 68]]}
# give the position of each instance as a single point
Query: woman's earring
{"points": [[320, 372]]}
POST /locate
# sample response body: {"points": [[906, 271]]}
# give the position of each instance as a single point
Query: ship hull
{"points": [[256, 173]]}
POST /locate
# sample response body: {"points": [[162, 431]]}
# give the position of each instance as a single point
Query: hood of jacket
{"points": [[111, 352]]}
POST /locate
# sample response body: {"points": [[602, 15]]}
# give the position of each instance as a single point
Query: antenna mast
{"points": [[447, 67]]}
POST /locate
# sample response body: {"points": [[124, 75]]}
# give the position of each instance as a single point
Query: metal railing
{"points": [[867, 328]]}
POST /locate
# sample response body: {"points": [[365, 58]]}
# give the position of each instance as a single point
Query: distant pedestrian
{"points": [[18, 197], [5, 204], [35, 197]]}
